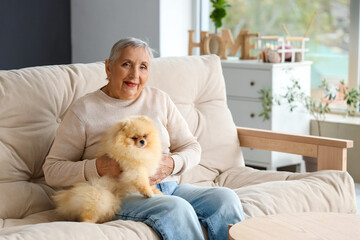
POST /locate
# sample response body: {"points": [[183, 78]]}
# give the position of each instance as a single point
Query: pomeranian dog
{"points": [[134, 143]]}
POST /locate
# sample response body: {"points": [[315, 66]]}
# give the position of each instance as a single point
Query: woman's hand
{"points": [[108, 166], [165, 169]]}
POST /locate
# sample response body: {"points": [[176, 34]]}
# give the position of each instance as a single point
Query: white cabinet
{"points": [[244, 80]]}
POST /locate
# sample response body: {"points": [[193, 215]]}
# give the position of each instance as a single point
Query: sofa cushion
{"points": [[77, 231], [266, 192], [197, 87]]}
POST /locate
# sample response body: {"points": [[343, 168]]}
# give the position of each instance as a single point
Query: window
{"points": [[330, 38]]}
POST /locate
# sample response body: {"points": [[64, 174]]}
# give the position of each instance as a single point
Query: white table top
{"points": [[299, 226]]}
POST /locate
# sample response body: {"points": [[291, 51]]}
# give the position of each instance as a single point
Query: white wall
{"points": [[97, 25], [175, 21]]}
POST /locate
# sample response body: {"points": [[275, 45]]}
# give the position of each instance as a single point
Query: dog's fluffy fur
{"points": [[134, 143]]}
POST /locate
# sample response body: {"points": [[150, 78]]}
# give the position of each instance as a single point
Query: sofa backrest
{"points": [[196, 85], [34, 101]]}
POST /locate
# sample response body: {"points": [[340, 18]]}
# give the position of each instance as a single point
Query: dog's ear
{"points": [[144, 118], [123, 125], [118, 130]]}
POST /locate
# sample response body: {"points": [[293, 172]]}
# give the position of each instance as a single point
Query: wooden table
{"points": [[298, 226]]}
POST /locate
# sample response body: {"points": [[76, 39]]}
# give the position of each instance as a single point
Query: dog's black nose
{"points": [[142, 142]]}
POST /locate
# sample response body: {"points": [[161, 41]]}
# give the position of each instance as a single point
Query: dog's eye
{"points": [[145, 136], [134, 138]]}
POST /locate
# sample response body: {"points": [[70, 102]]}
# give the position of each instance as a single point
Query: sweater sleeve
{"points": [[63, 166], [184, 148]]}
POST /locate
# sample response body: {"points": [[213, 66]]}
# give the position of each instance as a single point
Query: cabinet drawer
{"points": [[246, 114], [246, 83]]}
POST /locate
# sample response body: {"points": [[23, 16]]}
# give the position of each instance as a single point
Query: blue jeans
{"points": [[176, 214]]}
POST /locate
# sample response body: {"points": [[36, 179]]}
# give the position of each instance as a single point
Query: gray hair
{"points": [[128, 42]]}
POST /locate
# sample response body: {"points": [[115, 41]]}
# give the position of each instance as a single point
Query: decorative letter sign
{"points": [[212, 43]]}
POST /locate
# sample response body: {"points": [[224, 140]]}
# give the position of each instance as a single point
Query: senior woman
{"points": [[177, 213]]}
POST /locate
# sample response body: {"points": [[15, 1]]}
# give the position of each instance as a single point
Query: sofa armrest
{"points": [[331, 153]]}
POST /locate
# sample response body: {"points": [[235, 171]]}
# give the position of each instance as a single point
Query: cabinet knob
{"points": [[252, 83], [252, 115]]}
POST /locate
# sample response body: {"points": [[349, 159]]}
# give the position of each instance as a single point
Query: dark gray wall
{"points": [[34, 33], [97, 24]]}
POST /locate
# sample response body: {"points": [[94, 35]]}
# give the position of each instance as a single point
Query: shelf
{"points": [[251, 64]]}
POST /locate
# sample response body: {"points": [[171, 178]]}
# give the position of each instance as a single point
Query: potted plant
{"points": [[294, 96], [219, 12], [317, 108], [214, 43]]}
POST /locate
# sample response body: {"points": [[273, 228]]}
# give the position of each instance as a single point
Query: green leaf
{"points": [[219, 12]]}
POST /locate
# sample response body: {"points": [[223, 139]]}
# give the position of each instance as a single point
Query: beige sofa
{"points": [[34, 101]]}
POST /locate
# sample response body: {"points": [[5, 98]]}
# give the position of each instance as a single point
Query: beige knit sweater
{"points": [[72, 156]]}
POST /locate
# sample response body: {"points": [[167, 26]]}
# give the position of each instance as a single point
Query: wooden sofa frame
{"points": [[331, 153]]}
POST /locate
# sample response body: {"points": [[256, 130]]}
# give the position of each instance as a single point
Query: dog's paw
{"points": [[156, 191], [147, 192], [88, 217]]}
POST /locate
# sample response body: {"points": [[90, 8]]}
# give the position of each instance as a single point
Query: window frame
{"points": [[353, 76]]}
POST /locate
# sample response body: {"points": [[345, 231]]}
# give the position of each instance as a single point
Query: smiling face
{"points": [[128, 74]]}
